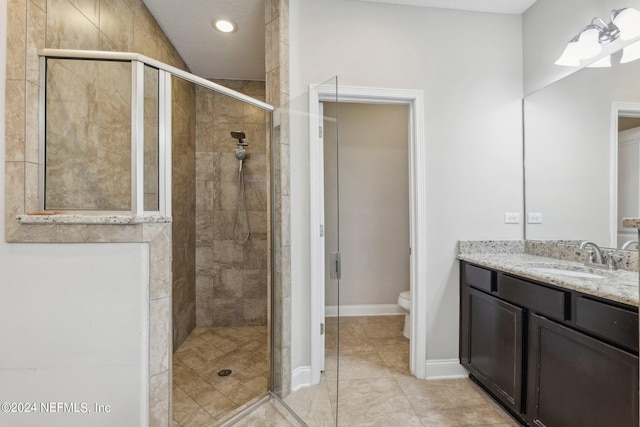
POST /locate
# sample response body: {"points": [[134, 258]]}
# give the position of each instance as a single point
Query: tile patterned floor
{"points": [[375, 386], [377, 389], [200, 396]]}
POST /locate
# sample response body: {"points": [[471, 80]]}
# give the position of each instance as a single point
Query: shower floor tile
{"points": [[203, 398]]}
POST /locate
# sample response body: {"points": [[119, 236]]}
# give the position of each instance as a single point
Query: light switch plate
{"points": [[511, 218], [534, 218]]}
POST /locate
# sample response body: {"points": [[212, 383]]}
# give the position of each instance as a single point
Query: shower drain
{"points": [[224, 373]]}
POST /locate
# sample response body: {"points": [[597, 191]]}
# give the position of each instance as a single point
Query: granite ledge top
{"points": [[92, 219], [618, 285], [631, 222]]}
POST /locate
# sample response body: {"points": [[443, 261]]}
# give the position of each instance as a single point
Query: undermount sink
{"points": [[550, 269]]}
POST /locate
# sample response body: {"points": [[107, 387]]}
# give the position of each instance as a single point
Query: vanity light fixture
{"points": [[625, 24], [630, 53], [224, 25], [603, 62]]}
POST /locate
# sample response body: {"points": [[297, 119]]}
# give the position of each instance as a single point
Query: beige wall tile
{"points": [[159, 335], [204, 137], [99, 233], [32, 123], [228, 312], [205, 311], [41, 4], [223, 224], [226, 109], [31, 186], [16, 39], [159, 402], [14, 195], [204, 228], [204, 261], [255, 311], [34, 233], [159, 264], [255, 283], [36, 32], [15, 98], [273, 87], [227, 254], [116, 23], [228, 283], [272, 45], [89, 8], [204, 286], [69, 28]]}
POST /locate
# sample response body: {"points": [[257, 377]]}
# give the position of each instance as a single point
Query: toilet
{"points": [[404, 301]]}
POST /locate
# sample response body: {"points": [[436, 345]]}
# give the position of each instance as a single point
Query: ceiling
{"points": [[210, 53], [492, 6], [240, 55]]}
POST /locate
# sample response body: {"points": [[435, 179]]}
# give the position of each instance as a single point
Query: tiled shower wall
{"points": [[88, 135], [108, 25], [183, 201], [231, 277]]}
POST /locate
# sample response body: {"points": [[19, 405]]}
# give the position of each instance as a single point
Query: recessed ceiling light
{"points": [[224, 25]]}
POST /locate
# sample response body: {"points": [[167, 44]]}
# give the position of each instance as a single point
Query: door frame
{"points": [[414, 99], [624, 109]]}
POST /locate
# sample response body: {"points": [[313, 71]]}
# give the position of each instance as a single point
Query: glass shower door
{"points": [[330, 228], [305, 313]]}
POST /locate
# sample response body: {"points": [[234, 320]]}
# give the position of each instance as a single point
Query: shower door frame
{"points": [[414, 99]]}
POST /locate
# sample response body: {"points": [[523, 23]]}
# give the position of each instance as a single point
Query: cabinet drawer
{"points": [[537, 298], [480, 278], [610, 322]]}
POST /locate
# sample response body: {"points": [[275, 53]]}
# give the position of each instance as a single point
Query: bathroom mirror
{"points": [[581, 176]]}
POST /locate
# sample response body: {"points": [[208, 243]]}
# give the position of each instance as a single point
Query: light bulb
{"points": [[570, 57], [224, 26], [628, 22], [588, 45]]}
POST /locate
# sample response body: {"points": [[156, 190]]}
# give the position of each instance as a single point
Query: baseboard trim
{"points": [[363, 310], [445, 369], [300, 377]]}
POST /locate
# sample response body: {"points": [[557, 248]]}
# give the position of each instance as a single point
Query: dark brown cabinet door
{"points": [[575, 380], [495, 346]]}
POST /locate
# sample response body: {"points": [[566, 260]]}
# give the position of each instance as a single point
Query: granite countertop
{"points": [[91, 219], [617, 285]]}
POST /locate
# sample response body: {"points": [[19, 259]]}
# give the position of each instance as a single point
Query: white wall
{"points": [[373, 158], [548, 26], [470, 68], [72, 319]]}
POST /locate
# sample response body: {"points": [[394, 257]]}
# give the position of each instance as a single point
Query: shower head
{"points": [[240, 136]]}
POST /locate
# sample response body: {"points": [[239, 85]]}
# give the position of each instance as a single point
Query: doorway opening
{"points": [[412, 102]]}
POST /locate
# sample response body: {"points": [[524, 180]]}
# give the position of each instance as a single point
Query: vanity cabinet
{"points": [[577, 380], [554, 357], [495, 350]]}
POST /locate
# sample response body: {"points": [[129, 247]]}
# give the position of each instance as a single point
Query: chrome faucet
{"points": [[627, 245], [595, 258]]}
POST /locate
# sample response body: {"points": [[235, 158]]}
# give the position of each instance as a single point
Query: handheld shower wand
{"points": [[241, 204]]}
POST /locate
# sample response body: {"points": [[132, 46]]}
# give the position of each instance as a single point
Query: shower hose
{"points": [[241, 210]]}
